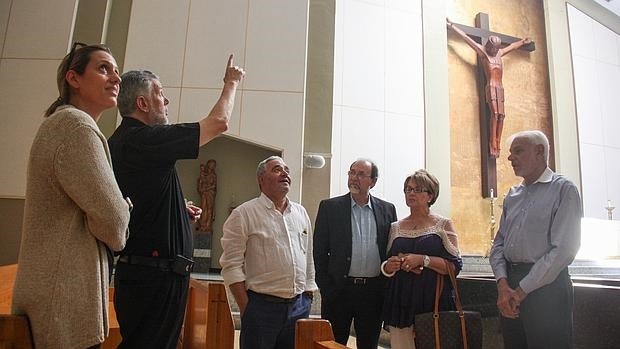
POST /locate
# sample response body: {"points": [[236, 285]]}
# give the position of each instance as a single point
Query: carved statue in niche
{"points": [[490, 57], [207, 188]]}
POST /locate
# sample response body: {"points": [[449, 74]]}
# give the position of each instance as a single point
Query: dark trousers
{"points": [[150, 306], [545, 316], [357, 304], [269, 325]]}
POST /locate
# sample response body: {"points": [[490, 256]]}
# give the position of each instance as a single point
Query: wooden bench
{"points": [[14, 329], [7, 280], [15, 332], [114, 337], [208, 320], [315, 334]]}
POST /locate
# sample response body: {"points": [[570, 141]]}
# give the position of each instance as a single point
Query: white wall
{"points": [[187, 44], [35, 35], [595, 51], [378, 93]]}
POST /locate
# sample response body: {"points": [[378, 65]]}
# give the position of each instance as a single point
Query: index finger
{"points": [[230, 61]]}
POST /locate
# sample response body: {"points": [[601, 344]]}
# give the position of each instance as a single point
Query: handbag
{"points": [[448, 329]]}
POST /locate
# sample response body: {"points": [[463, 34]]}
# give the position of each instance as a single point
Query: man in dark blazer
{"points": [[350, 240]]}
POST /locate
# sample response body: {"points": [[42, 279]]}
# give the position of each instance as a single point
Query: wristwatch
{"points": [[427, 261]]}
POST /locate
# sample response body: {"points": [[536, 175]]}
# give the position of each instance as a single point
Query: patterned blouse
{"points": [[409, 293]]}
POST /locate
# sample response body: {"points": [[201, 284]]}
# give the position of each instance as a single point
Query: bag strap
{"points": [[438, 290], [459, 306]]}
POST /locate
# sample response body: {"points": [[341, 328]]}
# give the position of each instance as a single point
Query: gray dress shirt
{"points": [[540, 224]]}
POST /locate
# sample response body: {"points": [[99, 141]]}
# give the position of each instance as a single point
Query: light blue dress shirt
{"points": [[365, 259]]}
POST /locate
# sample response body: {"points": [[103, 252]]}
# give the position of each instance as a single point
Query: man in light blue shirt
{"points": [[350, 241], [538, 237]]}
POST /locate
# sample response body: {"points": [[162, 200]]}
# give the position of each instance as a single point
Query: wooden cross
{"points": [[481, 33]]}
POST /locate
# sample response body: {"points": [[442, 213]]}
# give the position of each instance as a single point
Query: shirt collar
{"points": [[131, 121], [545, 177], [353, 203], [266, 201]]}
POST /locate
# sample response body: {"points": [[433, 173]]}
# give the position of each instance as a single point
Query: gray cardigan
{"points": [[73, 207]]}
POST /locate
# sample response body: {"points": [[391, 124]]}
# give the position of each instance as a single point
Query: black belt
{"points": [[273, 299], [179, 265], [361, 280], [160, 263], [519, 267]]}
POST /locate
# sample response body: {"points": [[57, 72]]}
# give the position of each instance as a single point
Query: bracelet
{"points": [[384, 272]]}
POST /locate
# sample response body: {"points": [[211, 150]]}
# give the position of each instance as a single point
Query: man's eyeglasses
{"points": [[358, 175], [416, 190]]}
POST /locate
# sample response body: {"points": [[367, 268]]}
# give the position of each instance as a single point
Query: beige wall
{"points": [[318, 103], [34, 35], [37, 36], [187, 44]]}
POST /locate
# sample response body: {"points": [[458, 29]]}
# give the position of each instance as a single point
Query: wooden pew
{"points": [[7, 280], [15, 332], [315, 334], [14, 329], [208, 320], [114, 337]]}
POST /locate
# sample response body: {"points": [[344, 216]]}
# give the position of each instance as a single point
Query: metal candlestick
{"points": [[609, 209]]}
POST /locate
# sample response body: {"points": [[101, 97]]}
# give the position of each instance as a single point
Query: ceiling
{"points": [[611, 5]]}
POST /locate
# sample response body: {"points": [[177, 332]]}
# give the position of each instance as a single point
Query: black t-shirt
{"points": [[144, 160]]}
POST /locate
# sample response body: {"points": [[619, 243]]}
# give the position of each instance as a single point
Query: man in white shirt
{"points": [[267, 261]]}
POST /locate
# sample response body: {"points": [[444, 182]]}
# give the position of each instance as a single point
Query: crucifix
{"points": [[490, 47]]}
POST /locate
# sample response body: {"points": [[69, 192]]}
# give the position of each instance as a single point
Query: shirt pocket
{"points": [[302, 238]]}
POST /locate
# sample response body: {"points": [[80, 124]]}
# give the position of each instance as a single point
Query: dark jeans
{"points": [[150, 306], [268, 325], [360, 305], [546, 316]]}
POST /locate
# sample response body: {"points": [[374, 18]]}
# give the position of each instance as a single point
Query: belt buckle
{"points": [[359, 281]]}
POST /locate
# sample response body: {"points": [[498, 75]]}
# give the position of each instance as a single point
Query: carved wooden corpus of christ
{"points": [[489, 47]]}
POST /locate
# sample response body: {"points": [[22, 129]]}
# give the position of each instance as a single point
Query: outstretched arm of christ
{"points": [[477, 47], [515, 46]]}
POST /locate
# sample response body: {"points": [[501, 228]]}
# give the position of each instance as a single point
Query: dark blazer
{"points": [[333, 239]]}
